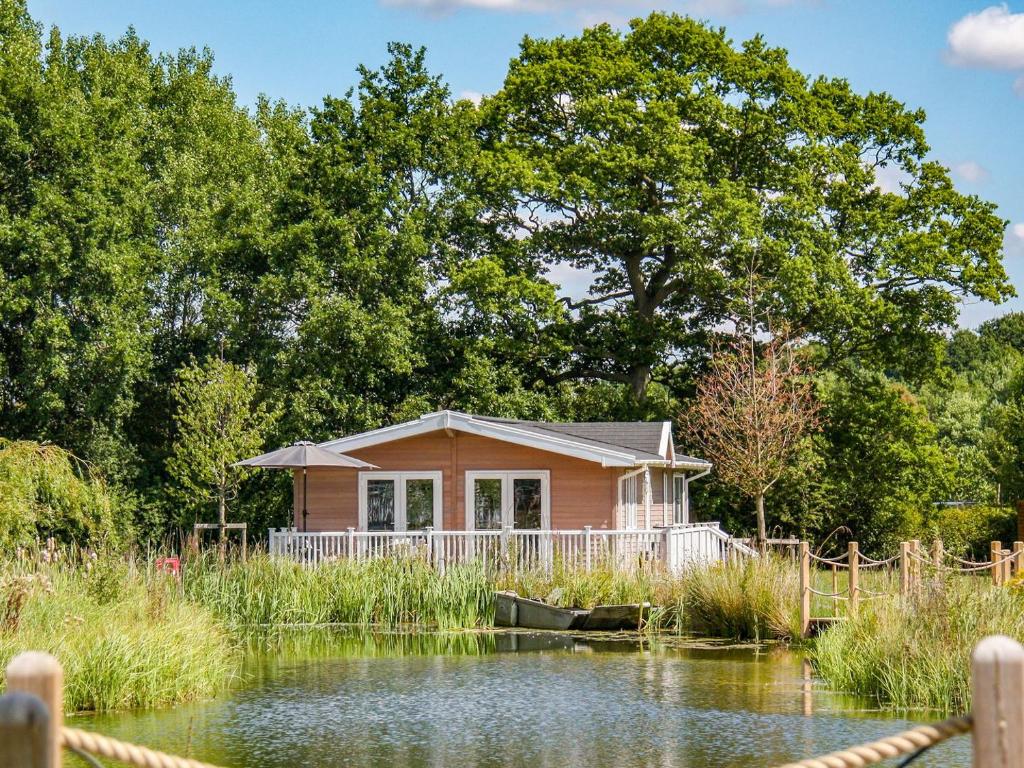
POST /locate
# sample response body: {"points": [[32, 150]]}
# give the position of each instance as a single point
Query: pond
{"points": [[347, 698]]}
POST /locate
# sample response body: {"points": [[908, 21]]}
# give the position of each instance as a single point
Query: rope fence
{"points": [[912, 562]]}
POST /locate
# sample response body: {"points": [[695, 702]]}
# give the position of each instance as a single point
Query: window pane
{"points": [[380, 505], [679, 496], [419, 504], [526, 502], [487, 504]]}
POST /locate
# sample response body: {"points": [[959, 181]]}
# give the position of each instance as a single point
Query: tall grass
{"points": [[749, 599], [126, 639], [268, 591], [914, 652]]}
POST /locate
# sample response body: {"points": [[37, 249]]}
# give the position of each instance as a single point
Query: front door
{"points": [[399, 501]]}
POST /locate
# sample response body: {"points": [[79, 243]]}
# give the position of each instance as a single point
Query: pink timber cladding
{"points": [[582, 492]]}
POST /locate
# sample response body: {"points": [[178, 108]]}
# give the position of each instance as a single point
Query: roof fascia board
{"points": [[465, 423]]}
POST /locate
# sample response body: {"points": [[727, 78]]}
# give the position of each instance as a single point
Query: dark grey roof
{"points": [[641, 438]]}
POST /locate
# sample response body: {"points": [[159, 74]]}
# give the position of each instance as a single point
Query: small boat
{"points": [[612, 618], [535, 614], [506, 612], [511, 610]]}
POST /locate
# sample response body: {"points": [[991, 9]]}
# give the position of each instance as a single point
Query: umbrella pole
{"points": [[304, 486]]}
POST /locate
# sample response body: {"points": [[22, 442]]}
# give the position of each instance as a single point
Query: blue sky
{"points": [[963, 62]]}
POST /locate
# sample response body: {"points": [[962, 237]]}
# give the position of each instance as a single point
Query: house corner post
{"points": [[805, 589], [41, 675], [997, 692]]}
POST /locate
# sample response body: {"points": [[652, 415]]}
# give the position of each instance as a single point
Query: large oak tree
{"points": [[673, 166]]}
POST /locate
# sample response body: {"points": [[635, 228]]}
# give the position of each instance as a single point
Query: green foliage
{"points": [[682, 169], [46, 491], [219, 423], [968, 531], [884, 467]]}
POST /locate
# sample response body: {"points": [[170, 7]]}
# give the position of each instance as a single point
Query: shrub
{"points": [[969, 530]]}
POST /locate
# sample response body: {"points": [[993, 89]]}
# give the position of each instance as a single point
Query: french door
{"points": [[399, 501], [521, 499]]}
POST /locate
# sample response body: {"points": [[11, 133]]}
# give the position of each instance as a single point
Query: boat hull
{"points": [[537, 615]]}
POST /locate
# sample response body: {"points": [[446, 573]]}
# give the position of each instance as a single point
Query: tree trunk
{"points": [[762, 536]]}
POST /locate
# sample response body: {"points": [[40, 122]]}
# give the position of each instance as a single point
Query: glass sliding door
{"points": [[399, 501], [380, 505], [510, 498], [526, 502], [681, 499], [487, 507]]}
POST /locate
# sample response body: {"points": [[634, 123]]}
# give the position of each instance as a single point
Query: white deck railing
{"points": [[677, 547]]}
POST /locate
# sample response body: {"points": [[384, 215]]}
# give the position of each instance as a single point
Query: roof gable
{"points": [[611, 444]]}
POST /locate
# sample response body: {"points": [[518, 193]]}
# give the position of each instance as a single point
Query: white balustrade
{"points": [[677, 547]]}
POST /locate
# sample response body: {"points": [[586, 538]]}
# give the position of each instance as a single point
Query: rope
{"points": [[893, 746], [831, 560], [870, 562], [104, 746], [841, 595]]}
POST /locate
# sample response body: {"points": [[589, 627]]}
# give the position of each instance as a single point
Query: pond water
{"points": [[344, 698]]}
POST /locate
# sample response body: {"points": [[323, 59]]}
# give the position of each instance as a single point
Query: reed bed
{"points": [[267, 592], [914, 652], [126, 639], [749, 599]]}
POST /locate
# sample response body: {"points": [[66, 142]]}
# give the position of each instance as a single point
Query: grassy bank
{"points": [[126, 639], [914, 652]]}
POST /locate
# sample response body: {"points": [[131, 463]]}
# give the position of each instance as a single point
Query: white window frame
{"points": [[400, 508], [507, 476]]}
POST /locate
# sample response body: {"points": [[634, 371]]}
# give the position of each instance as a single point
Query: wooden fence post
{"points": [[429, 530], [938, 553], [41, 675], [995, 553], [805, 588], [1018, 553], [997, 687], [586, 545], [24, 731], [904, 567], [915, 564], [854, 585]]}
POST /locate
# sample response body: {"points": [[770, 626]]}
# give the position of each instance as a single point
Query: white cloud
{"points": [[475, 96], [971, 171], [891, 178], [992, 38], [1018, 231]]}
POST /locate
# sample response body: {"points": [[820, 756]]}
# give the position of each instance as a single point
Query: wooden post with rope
{"points": [[805, 589], [997, 689], [995, 553], [40, 675], [904, 567], [938, 555], [1018, 553], [853, 551]]}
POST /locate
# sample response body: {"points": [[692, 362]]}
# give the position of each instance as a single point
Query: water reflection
{"points": [[510, 699]]}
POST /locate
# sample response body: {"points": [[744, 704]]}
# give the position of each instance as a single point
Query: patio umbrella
{"points": [[304, 454]]}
